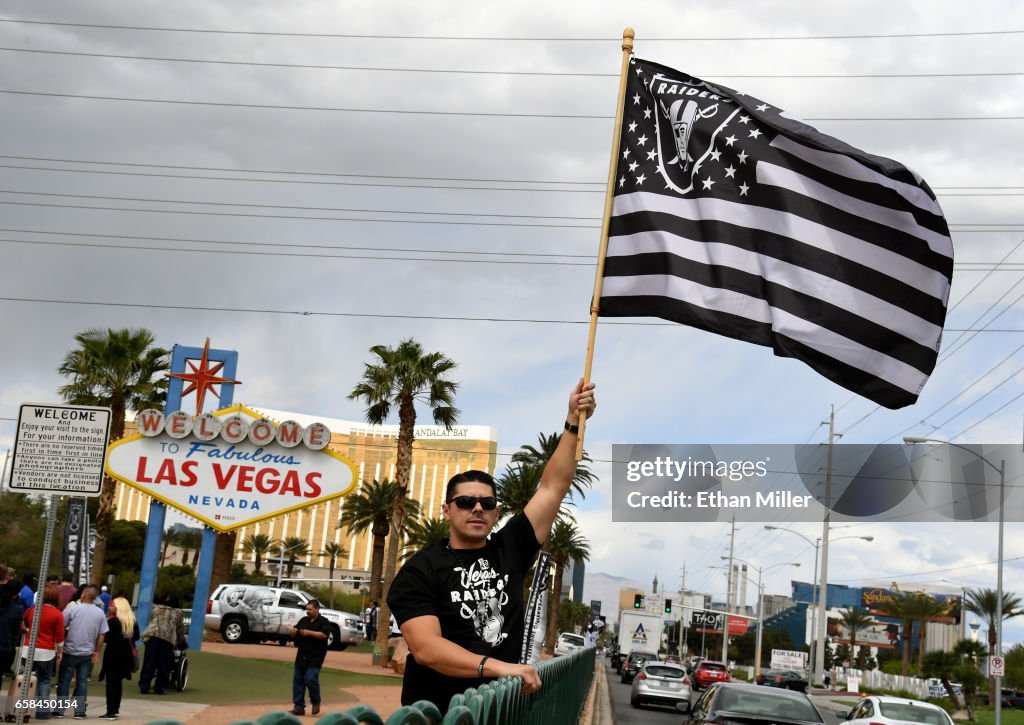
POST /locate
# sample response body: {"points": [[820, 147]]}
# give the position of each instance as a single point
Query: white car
{"points": [[568, 643], [886, 710]]}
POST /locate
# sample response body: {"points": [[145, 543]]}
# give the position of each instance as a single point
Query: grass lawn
{"points": [[988, 716], [216, 679]]}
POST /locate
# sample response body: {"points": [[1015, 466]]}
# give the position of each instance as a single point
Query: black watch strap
{"points": [[572, 428]]}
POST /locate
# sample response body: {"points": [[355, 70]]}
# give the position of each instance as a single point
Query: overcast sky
{"points": [[380, 171]]}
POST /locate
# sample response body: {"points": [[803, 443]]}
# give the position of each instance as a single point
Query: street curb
{"points": [[602, 710]]}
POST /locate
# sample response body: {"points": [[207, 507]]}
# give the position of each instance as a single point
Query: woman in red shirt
{"points": [[49, 644]]}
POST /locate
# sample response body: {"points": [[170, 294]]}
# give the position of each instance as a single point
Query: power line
{"points": [[346, 183], [188, 212], [474, 114], [322, 255], [376, 36], [302, 255], [971, 191], [293, 245], [462, 71], [600, 185], [314, 245], [151, 200], [249, 205], [284, 172], [324, 313]]}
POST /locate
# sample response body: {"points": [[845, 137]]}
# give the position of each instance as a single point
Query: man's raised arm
{"points": [[561, 468]]}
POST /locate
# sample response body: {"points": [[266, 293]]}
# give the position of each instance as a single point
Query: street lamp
{"points": [[816, 592], [1001, 470], [760, 607]]}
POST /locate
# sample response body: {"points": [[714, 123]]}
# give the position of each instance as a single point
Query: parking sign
{"points": [[996, 666]]}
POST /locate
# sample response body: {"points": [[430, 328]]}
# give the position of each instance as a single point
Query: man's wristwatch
{"points": [[572, 428]]}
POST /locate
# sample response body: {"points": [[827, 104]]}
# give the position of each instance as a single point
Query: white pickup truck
{"points": [[243, 612]]}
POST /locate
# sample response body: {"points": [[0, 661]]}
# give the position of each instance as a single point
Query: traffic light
{"points": [[638, 601], [668, 606]]}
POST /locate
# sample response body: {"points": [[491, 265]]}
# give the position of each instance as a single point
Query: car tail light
{"points": [[686, 680], [641, 676], [209, 606], [778, 679]]}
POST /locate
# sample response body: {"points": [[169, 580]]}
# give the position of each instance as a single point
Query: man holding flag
{"points": [[459, 603]]}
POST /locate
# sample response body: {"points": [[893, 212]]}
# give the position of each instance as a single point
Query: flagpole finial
{"points": [[627, 39]]}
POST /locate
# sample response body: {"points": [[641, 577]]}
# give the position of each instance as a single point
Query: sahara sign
{"points": [[230, 468]]}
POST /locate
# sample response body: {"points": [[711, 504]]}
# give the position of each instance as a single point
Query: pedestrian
{"points": [[165, 631], [105, 598], [10, 625], [459, 602], [67, 589], [310, 635], [49, 645], [28, 590], [119, 654], [86, 628], [370, 617]]}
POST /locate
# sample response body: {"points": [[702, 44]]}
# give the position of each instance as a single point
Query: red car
{"points": [[709, 672]]}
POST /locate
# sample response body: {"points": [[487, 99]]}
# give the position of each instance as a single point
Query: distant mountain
{"points": [[604, 588]]}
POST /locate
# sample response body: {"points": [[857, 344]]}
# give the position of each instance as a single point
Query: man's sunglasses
{"points": [[466, 503]]}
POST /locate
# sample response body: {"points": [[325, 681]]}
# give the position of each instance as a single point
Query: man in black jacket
{"points": [[310, 634]]}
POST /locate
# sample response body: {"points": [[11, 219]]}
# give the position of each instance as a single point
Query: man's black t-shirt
{"points": [[476, 594], [312, 650]]}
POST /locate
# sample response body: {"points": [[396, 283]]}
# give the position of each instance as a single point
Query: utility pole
{"points": [[728, 596], [683, 625], [819, 635]]}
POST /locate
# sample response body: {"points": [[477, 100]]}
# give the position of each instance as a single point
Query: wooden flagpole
{"points": [[627, 51]]}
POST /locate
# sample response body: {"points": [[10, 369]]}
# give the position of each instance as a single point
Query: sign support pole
{"points": [[44, 565], [203, 574]]}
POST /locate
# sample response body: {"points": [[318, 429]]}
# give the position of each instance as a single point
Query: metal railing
{"points": [[565, 684]]}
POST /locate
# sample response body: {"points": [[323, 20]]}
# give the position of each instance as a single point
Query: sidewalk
{"points": [[138, 709]]}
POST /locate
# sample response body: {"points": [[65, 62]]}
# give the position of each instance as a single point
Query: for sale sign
{"points": [[231, 468], [59, 449], [783, 659]]}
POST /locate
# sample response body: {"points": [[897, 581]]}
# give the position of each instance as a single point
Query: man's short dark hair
{"points": [[470, 476], [315, 603]]}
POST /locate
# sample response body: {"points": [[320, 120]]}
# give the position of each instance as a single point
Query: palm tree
{"points": [[566, 542], [855, 618], [924, 608], [528, 455], [190, 542], [899, 606], [258, 545], [292, 547], [982, 602], [334, 552], [517, 485], [421, 533], [401, 377], [119, 369], [370, 508]]}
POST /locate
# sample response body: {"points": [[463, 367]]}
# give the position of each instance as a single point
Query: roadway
{"points": [[626, 714]]}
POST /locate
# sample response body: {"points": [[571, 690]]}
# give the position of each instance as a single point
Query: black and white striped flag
{"points": [[733, 217]]}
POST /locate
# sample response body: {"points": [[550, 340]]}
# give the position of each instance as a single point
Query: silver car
{"points": [[661, 682]]}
